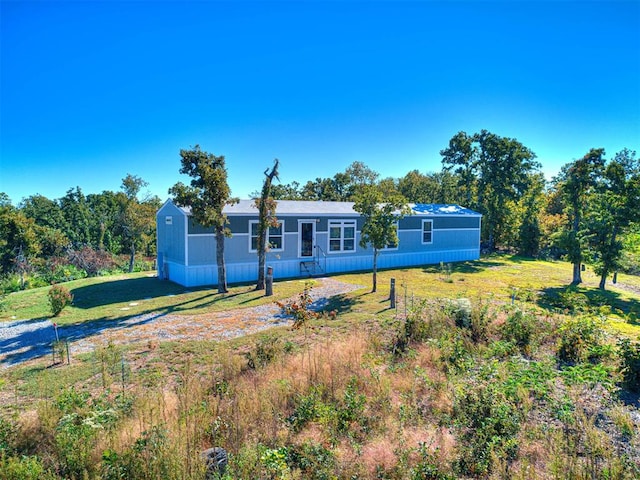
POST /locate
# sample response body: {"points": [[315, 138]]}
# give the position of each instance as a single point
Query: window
{"points": [[168, 220], [427, 231], [275, 236], [342, 236]]}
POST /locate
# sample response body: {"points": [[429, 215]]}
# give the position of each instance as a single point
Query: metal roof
{"points": [[322, 208]]}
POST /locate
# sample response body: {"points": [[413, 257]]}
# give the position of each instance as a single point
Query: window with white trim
{"points": [[275, 236], [342, 236], [427, 231]]}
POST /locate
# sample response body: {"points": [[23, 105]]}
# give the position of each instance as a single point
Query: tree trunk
{"points": [[132, 257], [262, 254], [222, 272], [577, 263], [375, 270], [577, 275], [607, 268]]}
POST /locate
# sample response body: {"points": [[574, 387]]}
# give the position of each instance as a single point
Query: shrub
{"points": [[580, 339], [90, 260], [267, 349], [460, 310], [313, 460], [487, 424], [23, 468], [519, 328], [59, 297], [630, 364]]}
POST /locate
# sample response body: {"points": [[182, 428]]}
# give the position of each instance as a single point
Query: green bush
{"points": [[313, 460], [487, 424], [630, 364], [580, 339], [519, 328], [267, 349], [59, 297], [64, 273], [23, 468]]}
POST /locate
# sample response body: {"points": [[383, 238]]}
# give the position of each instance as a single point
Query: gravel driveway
{"points": [[24, 340]]}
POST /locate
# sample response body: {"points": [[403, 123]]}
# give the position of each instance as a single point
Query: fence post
{"points": [[392, 293], [268, 287]]}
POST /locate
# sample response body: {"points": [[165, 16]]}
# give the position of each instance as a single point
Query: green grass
{"points": [[122, 296]]}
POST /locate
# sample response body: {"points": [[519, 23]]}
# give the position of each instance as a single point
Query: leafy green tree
{"points": [[289, 191], [505, 169], [46, 213], [577, 183], [19, 244], [266, 218], [381, 214], [460, 156], [207, 195], [494, 173], [614, 206], [530, 233], [78, 218], [137, 218], [106, 211]]}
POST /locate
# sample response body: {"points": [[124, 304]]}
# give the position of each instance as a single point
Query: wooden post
{"points": [[392, 293], [268, 287]]}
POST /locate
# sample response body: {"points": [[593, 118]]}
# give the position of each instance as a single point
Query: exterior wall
{"points": [[188, 249], [171, 244]]}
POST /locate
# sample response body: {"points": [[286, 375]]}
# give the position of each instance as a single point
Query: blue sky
{"points": [[91, 91]]}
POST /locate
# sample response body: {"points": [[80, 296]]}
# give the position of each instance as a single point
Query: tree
{"points": [[381, 215], [494, 173], [266, 218], [460, 155], [77, 216], [530, 230], [506, 169], [207, 195], [612, 209], [137, 218], [577, 181]]}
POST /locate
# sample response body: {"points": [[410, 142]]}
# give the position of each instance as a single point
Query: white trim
{"points": [[426, 220], [186, 241], [281, 223], [440, 229], [201, 234]]}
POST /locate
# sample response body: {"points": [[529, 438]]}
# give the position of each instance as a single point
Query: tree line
{"points": [[589, 213], [46, 241]]}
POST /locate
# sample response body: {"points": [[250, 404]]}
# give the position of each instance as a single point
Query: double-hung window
{"points": [[427, 231], [275, 236], [342, 236]]}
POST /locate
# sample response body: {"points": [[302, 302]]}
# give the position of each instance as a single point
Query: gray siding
{"points": [[171, 237], [415, 222]]}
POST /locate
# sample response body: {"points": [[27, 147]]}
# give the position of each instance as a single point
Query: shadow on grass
{"points": [[339, 304], [122, 291], [579, 299], [466, 267]]}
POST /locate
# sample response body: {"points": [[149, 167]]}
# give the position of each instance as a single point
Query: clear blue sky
{"points": [[91, 91]]}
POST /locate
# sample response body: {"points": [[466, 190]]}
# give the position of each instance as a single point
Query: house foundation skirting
{"points": [[200, 275]]}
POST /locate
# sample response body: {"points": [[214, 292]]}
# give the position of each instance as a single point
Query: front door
{"points": [[306, 234]]}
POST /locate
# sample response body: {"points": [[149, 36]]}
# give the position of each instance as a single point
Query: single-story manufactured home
{"points": [[311, 238]]}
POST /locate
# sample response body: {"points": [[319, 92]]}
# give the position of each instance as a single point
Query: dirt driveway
{"points": [[29, 339]]}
